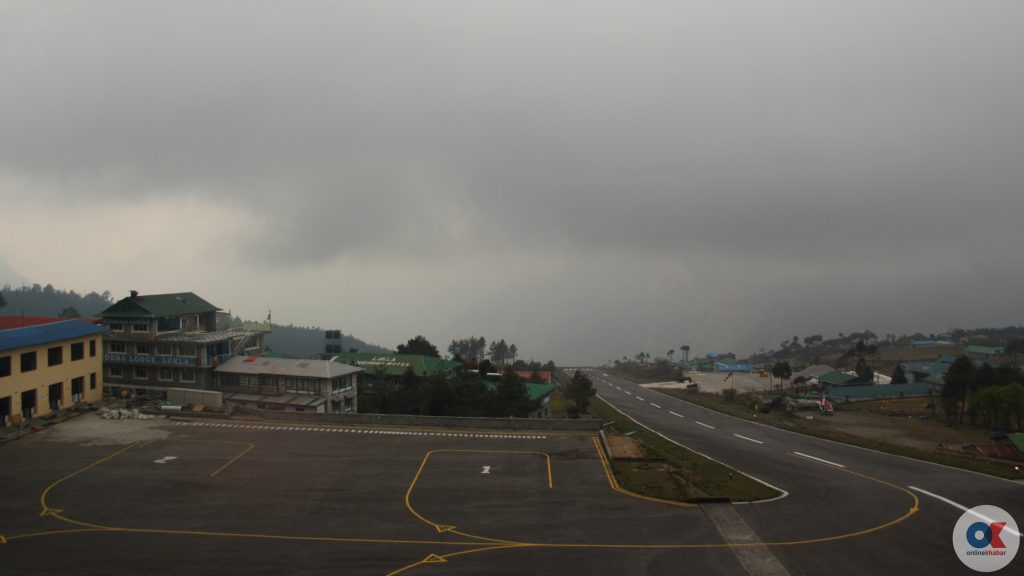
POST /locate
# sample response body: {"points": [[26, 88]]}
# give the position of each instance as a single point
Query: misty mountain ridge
{"points": [[9, 276]]}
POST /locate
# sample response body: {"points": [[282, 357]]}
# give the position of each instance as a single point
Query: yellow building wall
{"points": [[43, 376]]}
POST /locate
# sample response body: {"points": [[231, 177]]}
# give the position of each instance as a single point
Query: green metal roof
{"points": [[836, 378], [1018, 441], [158, 306], [536, 390], [841, 393], [984, 350], [396, 364]]}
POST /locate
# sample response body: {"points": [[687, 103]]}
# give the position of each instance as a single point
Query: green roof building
{"points": [[983, 352], [393, 366], [161, 341]]}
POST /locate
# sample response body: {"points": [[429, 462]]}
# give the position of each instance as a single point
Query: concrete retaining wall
{"points": [[418, 421], [209, 398]]}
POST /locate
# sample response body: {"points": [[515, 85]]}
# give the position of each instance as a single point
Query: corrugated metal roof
{"points": [[1017, 439], [984, 350], [158, 306], [46, 333], [9, 322], [286, 367], [396, 364]]}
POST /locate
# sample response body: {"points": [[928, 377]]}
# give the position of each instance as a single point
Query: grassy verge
{"points": [[741, 409], [681, 474]]}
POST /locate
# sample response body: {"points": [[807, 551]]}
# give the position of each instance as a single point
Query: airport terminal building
{"points": [[162, 341]]}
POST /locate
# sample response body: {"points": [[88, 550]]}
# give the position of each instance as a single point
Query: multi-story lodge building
{"points": [[162, 341]]}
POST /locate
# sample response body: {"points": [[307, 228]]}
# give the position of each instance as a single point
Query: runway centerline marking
{"points": [[674, 414], [639, 398], [655, 405], [963, 508], [704, 425], [822, 460], [748, 439]]}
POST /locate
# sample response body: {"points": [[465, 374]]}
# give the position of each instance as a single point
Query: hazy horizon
{"points": [[585, 179]]}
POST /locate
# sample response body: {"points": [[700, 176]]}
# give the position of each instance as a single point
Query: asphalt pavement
{"points": [[845, 510]]}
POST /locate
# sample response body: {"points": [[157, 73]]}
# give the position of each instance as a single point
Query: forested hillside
{"points": [[48, 301]]}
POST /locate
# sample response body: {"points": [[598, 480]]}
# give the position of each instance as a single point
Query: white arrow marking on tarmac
{"points": [[750, 439], [165, 460], [486, 470]]}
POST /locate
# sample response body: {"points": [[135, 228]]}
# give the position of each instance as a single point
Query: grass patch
{"points": [[742, 409], [685, 473]]}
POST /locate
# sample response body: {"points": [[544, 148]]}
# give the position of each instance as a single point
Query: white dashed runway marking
{"points": [[366, 431]]}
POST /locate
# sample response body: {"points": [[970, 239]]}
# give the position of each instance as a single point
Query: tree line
{"points": [[989, 395], [466, 394], [46, 300]]}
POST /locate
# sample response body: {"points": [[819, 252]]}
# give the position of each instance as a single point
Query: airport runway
{"points": [[900, 511]]}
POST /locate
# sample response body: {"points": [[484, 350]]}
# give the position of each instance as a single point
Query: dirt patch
{"points": [[624, 447], [91, 430]]}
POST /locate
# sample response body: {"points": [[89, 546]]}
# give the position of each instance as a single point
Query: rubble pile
{"points": [[124, 414]]}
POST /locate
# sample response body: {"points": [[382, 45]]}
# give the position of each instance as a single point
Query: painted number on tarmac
{"points": [[165, 460], [486, 470]]}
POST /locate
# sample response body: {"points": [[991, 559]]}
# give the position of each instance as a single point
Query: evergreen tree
{"points": [[419, 345], [899, 374], [579, 390]]}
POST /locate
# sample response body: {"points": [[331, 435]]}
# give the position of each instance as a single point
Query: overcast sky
{"points": [[586, 179]]}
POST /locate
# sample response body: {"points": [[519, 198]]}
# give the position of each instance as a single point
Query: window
{"points": [[116, 326], [142, 348], [188, 375], [5, 366], [92, 348], [140, 328], [163, 350], [114, 370], [303, 386], [56, 395], [187, 350], [55, 356], [165, 374], [168, 324], [77, 389], [77, 351], [92, 381], [28, 361], [117, 347], [141, 373], [343, 384]]}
